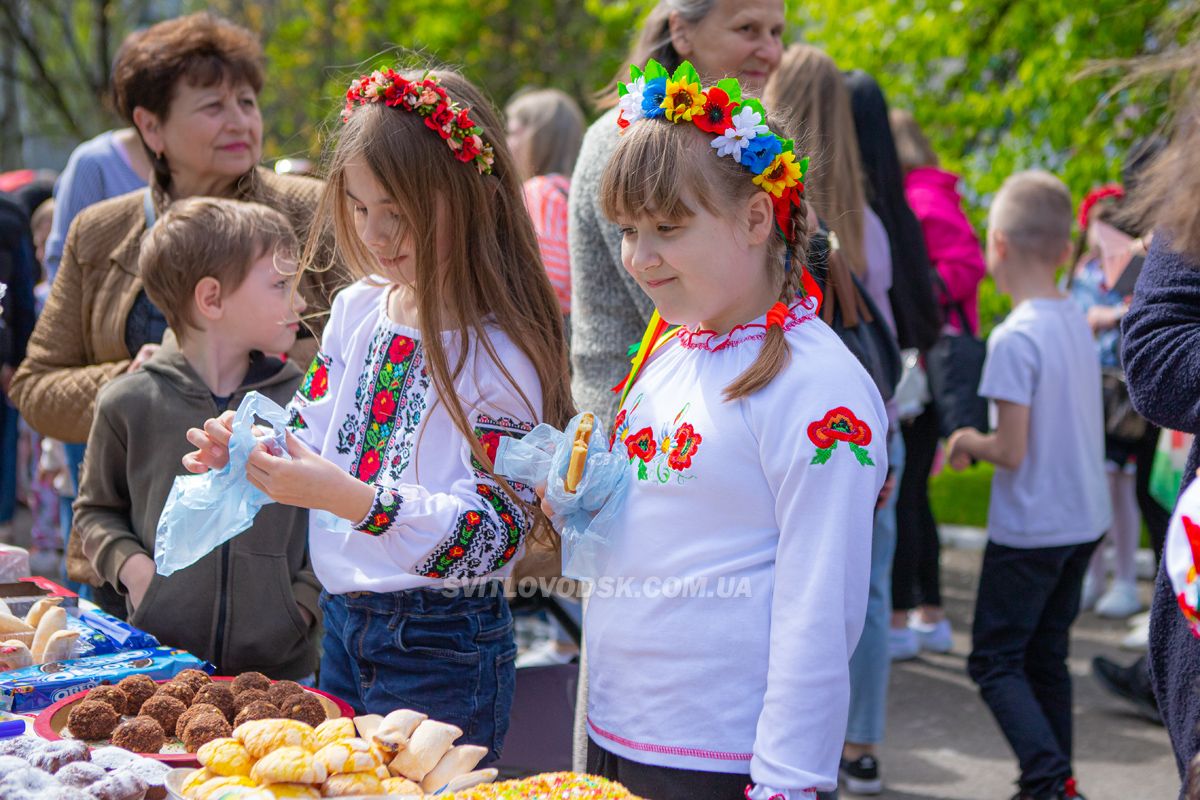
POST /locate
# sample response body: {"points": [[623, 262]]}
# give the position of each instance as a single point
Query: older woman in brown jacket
{"points": [[190, 87]]}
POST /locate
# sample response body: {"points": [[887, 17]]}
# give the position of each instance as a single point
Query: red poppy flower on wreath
{"points": [[400, 349], [840, 425], [641, 444], [687, 442], [717, 116], [441, 120], [491, 443], [384, 407], [368, 467]]}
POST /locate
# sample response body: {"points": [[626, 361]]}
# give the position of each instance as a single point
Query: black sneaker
{"points": [[861, 776], [1129, 683], [1065, 792]]}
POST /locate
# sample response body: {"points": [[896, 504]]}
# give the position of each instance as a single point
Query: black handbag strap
{"points": [[954, 305]]}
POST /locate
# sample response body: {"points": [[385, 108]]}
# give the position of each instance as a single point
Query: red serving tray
{"points": [[50, 721]]}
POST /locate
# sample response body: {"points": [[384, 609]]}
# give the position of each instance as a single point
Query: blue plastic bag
{"points": [[584, 519], [205, 511]]}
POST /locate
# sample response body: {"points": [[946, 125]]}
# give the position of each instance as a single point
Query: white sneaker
{"points": [[1120, 601], [1092, 589], [903, 644], [1139, 635], [936, 637]]}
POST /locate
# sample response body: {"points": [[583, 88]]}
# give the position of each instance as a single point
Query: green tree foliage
{"points": [[315, 46]]}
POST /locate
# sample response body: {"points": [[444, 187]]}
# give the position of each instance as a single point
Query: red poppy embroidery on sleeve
{"points": [[840, 425], [382, 514]]}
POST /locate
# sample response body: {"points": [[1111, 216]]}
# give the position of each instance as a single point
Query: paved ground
{"points": [[943, 743]]}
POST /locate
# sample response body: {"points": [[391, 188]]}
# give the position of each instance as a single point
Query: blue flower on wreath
{"points": [[653, 96], [760, 152]]}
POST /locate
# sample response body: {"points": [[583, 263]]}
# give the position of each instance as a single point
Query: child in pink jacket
{"points": [[933, 195]]}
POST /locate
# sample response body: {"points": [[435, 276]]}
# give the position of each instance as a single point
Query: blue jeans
{"points": [[1027, 600], [870, 665], [439, 652], [66, 515]]}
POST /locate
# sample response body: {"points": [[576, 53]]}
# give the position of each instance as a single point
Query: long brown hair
{"points": [[552, 133], [655, 164], [493, 273], [810, 91], [1166, 191]]}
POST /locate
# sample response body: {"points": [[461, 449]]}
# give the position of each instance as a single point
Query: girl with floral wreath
{"points": [[756, 451], [450, 339]]}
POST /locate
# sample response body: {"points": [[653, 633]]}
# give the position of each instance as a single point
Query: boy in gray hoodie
{"points": [[222, 272]]}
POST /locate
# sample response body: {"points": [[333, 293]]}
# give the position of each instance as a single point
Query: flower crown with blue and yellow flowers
{"points": [[738, 124]]}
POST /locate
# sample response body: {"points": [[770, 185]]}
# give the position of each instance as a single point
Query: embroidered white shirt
{"points": [[737, 587], [368, 404]]}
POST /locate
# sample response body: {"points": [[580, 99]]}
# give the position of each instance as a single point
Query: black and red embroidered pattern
{"points": [[485, 540], [389, 401], [383, 512]]}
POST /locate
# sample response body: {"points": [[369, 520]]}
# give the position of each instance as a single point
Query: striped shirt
{"points": [[546, 199]]}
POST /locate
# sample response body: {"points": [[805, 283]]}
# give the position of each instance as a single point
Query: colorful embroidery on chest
{"points": [[1189, 598], [840, 425], [315, 385], [389, 402], [658, 457]]}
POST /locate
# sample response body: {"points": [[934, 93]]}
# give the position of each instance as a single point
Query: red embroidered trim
{"points": [[801, 311], [689, 752]]}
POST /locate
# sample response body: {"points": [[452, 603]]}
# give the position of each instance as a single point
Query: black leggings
{"points": [[916, 573], [1155, 516]]}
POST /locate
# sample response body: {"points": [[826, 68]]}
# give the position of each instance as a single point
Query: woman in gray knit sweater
{"points": [[722, 38]]}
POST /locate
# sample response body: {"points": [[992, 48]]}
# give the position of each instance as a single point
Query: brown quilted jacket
{"points": [[78, 345]]}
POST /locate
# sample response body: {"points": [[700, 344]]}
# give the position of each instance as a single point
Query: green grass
{"points": [[961, 498]]}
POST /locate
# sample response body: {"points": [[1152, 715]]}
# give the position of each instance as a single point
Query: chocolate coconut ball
{"points": [[138, 689], [219, 695], [80, 774], [304, 707], [140, 735], [260, 709], [196, 710], [250, 680], [180, 691], [111, 695], [194, 678], [92, 720], [280, 691], [203, 729], [163, 709], [247, 696]]}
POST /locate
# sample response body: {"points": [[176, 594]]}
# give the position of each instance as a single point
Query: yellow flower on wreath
{"points": [[783, 174], [683, 100]]}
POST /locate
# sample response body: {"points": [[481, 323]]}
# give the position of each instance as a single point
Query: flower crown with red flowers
{"points": [[428, 99], [738, 124]]}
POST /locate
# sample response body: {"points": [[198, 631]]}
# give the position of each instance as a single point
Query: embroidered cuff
{"points": [[383, 512]]}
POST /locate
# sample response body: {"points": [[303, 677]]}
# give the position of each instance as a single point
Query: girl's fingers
{"points": [[199, 438], [192, 463], [218, 432]]}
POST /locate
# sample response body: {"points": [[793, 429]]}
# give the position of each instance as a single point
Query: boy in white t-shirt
{"points": [[1049, 504]]}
